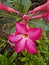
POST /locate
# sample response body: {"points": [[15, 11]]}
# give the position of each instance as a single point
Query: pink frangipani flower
{"points": [[24, 38]]}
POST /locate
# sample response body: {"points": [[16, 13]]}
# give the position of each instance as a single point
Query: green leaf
{"points": [[3, 60], [10, 30], [24, 59], [26, 4], [5, 54], [18, 5], [14, 64], [2, 44], [39, 23], [7, 17], [7, 3], [13, 57], [26, 63], [21, 5]]}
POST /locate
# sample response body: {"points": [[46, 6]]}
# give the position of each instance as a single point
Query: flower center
{"points": [[25, 35]]}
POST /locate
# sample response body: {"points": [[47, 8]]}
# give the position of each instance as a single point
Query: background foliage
{"points": [[7, 25]]}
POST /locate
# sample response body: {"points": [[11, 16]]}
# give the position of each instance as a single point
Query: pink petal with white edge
{"points": [[20, 28], [31, 47], [35, 33], [14, 38], [19, 46]]}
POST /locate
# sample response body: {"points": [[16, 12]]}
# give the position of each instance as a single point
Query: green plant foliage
{"points": [[39, 23], [21, 5], [26, 4], [12, 58], [7, 55], [3, 60]]}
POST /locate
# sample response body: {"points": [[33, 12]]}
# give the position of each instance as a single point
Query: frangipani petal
{"points": [[14, 38], [40, 16], [47, 0], [30, 46], [7, 8], [39, 8], [44, 7], [35, 33], [19, 46], [20, 28]]}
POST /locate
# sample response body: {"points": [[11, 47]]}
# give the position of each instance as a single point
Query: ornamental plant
{"points": [[26, 33]]}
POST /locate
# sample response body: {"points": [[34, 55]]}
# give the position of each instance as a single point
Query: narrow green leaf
{"points": [[5, 54], [3, 60], [39, 23], [27, 4], [13, 57]]}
